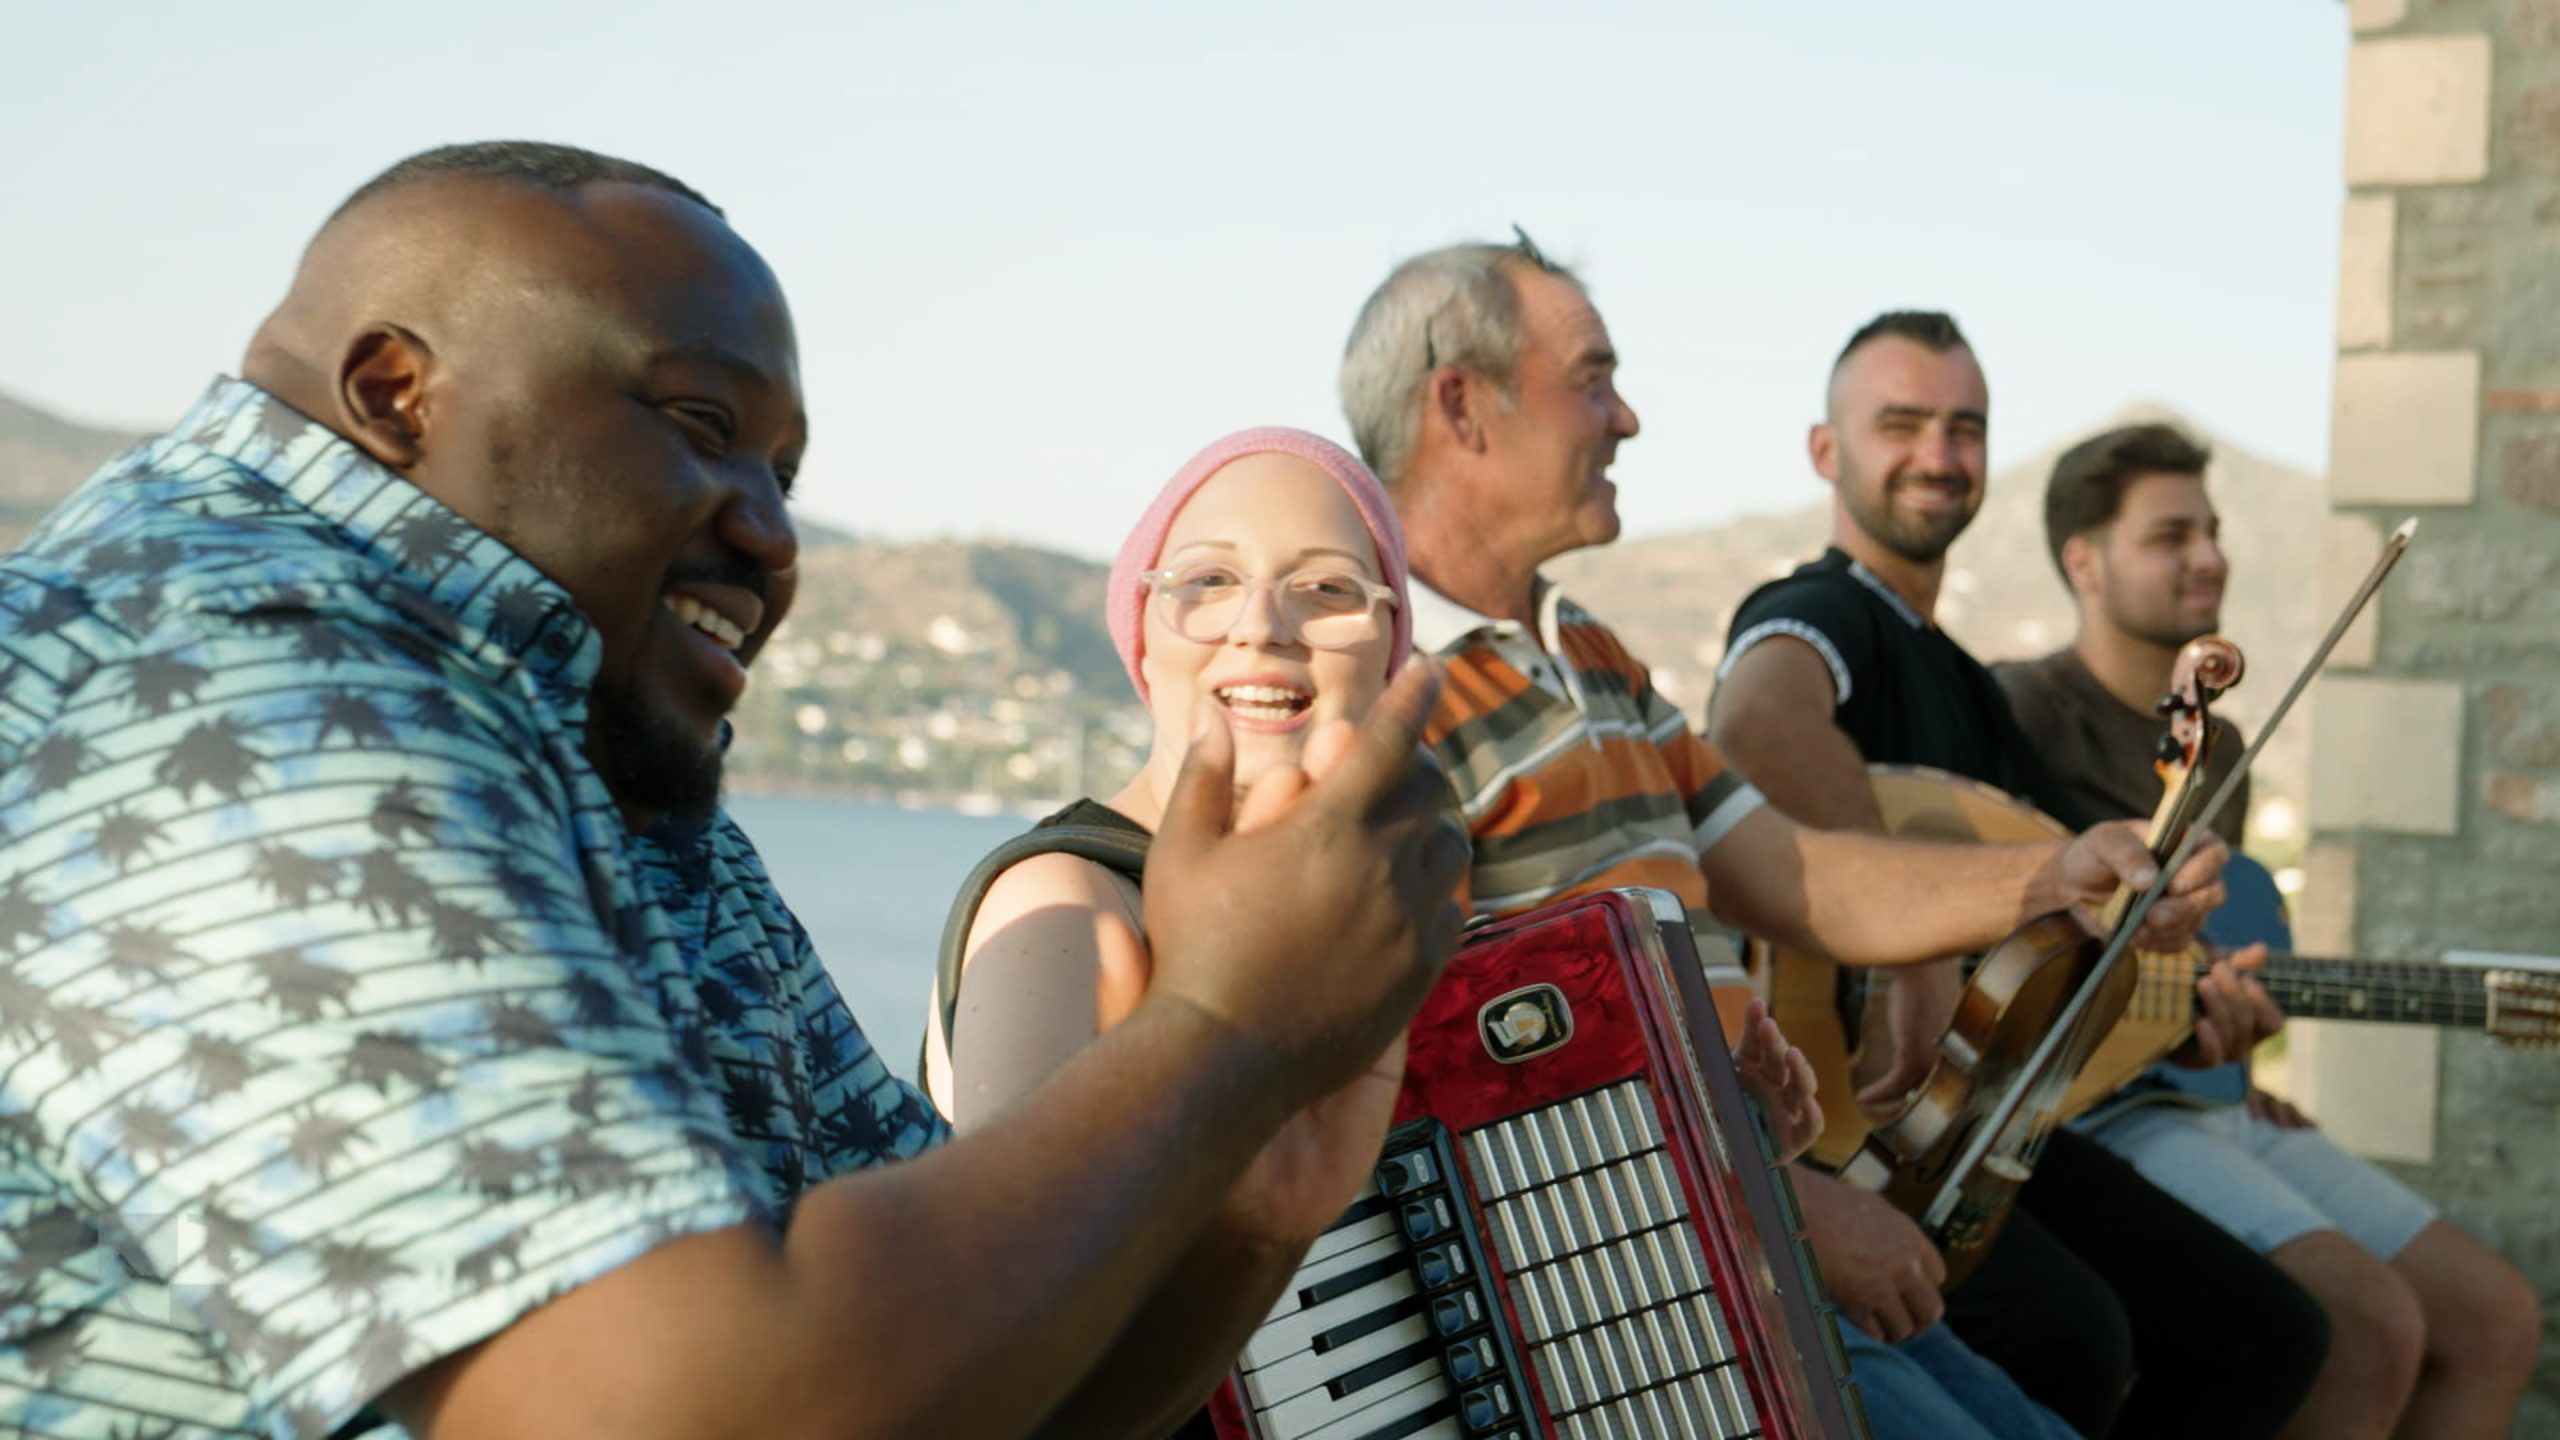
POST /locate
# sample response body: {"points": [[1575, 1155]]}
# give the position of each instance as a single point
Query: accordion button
{"points": [[1426, 1218], [1440, 1265], [1470, 1361], [1485, 1407], [1399, 1173], [1453, 1313]]}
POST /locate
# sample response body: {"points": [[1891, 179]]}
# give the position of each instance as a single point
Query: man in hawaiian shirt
{"points": [[391, 1026]]}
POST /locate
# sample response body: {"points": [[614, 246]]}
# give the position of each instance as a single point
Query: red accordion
{"points": [[1576, 1229]]}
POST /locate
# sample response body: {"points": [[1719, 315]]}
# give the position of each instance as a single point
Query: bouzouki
{"points": [[2513, 999], [1823, 1007]]}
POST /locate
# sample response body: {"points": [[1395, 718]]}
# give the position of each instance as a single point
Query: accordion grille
{"points": [[1617, 1303]]}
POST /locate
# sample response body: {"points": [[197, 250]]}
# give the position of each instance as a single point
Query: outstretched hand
{"points": [[1300, 1181], [1777, 1075], [1310, 916]]}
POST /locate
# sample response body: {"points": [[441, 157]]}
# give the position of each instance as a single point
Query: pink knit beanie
{"points": [[1125, 606]]}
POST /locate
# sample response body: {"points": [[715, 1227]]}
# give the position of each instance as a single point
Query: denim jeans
{"points": [[1930, 1387]]}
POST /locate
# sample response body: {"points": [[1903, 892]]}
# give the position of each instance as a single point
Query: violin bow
{"points": [[1988, 1134]]}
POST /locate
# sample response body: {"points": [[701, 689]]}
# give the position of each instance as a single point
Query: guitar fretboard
{"points": [[2407, 992]]}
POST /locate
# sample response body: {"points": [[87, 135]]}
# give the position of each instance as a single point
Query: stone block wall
{"points": [[2435, 781]]}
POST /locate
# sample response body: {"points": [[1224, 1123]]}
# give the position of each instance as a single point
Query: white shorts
{"points": [[2262, 1182]]}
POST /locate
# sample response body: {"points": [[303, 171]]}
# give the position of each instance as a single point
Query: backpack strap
{"points": [[1123, 852]]}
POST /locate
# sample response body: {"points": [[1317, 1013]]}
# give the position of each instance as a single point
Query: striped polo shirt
{"points": [[1573, 772]]}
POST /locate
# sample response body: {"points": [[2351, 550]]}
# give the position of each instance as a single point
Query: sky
{"points": [[1040, 254]]}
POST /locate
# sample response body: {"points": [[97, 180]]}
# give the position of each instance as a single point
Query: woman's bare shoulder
{"points": [[1054, 902]]}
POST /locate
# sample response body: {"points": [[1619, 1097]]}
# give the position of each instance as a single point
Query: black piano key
{"points": [[1422, 1419], [1350, 1280], [1361, 1209], [1394, 1362], [1375, 1320]]}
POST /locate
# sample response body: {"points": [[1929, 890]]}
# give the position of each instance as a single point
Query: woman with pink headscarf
{"points": [[1266, 583], [1264, 590]]}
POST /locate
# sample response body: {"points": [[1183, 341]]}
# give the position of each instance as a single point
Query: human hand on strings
{"points": [[1779, 1077], [2105, 858], [2238, 1013]]}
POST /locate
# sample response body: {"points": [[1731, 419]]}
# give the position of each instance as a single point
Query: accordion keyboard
{"points": [[1391, 1330], [1388, 1330]]}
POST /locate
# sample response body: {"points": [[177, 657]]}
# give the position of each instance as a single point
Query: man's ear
{"points": [[382, 395], [2080, 565], [1449, 396], [1822, 444]]}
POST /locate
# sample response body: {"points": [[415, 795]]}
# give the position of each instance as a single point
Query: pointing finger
{"points": [[1381, 755]]}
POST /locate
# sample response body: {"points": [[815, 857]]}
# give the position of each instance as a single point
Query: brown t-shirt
{"points": [[2100, 749]]}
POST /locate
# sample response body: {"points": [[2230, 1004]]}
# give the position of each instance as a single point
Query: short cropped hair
{"points": [[1453, 306], [2087, 488], [1935, 329], [560, 169]]}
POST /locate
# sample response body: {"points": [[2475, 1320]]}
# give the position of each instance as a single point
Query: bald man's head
{"points": [[581, 358], [560, 169]]}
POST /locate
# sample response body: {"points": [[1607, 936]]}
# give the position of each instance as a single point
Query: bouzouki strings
{"points": [[1985, 1137]]}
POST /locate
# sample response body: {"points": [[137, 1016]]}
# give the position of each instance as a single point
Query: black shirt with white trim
{"points": [[1903, 690]]}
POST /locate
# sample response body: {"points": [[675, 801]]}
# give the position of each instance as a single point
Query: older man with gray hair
{"points": [[1481, 384]]}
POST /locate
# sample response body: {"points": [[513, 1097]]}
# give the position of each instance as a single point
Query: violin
{"points": [[2031, 1014]]}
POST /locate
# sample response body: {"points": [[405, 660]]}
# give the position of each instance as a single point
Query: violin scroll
{"points": [[2207, 666]]}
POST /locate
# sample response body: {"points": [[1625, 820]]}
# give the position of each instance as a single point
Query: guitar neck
{"points": [[2396, 991]]}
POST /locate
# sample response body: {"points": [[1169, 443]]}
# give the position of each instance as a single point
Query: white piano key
{"points": [[1373, 1239], [1345, 1237], [1286, 1335], [1314, 1413], [1295, 1375]]}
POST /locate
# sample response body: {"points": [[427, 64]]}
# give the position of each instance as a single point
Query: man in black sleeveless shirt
{"points": [[2109, 1301]]}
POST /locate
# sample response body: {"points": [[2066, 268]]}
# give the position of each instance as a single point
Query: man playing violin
{"points": [[2219, 1344], [2432, 1334], [1481, 384]]}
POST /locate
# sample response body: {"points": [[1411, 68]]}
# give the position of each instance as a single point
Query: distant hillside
{"points": [[42, 458], [1673, 596], [948, 670]]}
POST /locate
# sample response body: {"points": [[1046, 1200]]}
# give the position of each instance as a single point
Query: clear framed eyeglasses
{"points": [[1326, 609]]}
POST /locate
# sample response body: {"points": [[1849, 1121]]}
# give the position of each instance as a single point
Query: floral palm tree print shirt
{"points": [[341, 1019]]}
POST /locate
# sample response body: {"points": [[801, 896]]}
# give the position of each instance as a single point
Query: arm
{"points": [[1050, 933], [962, 1294], [970, 1292], [1773, 716], [1868, 900], [1046, 934]]}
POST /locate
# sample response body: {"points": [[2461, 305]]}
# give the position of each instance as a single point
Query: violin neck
{"points": [[2168, 826]]}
